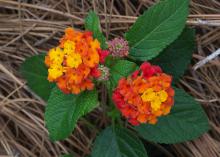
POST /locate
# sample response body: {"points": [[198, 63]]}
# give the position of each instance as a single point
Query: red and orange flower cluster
{"points": [[74, 63], [145, 95]]}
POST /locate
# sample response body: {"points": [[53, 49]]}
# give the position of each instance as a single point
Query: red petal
{"points": [[95, 72], [103, 54]]}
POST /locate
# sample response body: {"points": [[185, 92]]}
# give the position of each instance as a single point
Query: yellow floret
{"points": [[55, 72], [74, 60], [148, 95], [155, 98], [56, 55], [155, 104], [69, 47], [162, 95]]}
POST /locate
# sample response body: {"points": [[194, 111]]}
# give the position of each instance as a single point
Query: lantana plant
{"points": [[139, 71]]}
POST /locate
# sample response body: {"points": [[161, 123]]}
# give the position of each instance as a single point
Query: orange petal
{"points": [[142, 118]]}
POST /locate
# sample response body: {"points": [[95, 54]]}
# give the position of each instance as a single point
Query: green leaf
{"points": [[118, 142], [186, 121], [175, 59], [156, 28], [35, 72], [67, 155], [63, 111], [92, 23], [118, 69]]}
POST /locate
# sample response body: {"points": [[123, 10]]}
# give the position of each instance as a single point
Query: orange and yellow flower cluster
{"points": [[74, 63], [145, 95]]}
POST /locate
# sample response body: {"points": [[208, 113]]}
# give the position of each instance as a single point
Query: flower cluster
{"points": [[145, 95], [74, 63]]}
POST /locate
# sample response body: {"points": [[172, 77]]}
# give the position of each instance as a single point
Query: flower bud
{"points": [[118, 47], [104, 73]]}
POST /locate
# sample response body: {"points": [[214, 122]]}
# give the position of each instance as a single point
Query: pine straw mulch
{"points": [[32, 27]]}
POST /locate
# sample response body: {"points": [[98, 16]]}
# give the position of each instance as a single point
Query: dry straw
{"points": [[32, 27]]}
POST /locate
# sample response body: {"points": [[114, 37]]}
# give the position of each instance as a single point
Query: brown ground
{"points": [[34, 26]]}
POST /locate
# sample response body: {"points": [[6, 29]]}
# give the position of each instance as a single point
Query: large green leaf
{"points": [[92, 24], [63, 111], [118, 142], [175, 58], [35, 72], [156, 28], [186, 121]]}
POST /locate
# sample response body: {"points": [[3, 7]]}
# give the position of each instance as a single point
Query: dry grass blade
{"points": [[31, 27]]}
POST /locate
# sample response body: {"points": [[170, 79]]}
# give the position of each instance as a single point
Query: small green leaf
{"points": [[35, 72], [175, 58], [156, 28], [118, 69], [186, 121], [63, 111], [118, 142], [92, 24]]}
